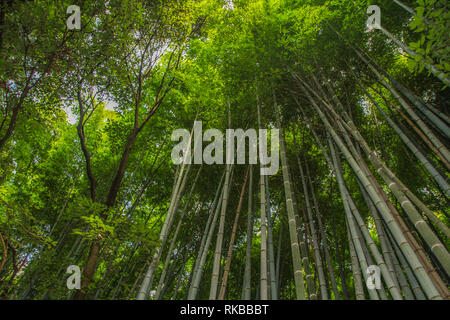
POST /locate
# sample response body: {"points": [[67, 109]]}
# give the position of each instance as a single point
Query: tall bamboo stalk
{"points": [[223, 286], [434, 139], [348, 124], [397, 255], [324, 238], [175, 237], [220, 233], [437, 247], [296, 259], [264, 293], [147, 282], [434, 173], [214, 206], [272, 272], [315, 242], [422, 275], [197, 275], [246, 289], [351, 225]]}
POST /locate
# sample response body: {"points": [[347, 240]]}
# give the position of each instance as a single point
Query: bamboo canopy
{"points": [[225, 150]]}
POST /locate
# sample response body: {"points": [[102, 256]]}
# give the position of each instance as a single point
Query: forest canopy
{"points": [[88, 184]]}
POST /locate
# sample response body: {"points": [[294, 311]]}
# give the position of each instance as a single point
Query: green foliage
{"points": [[432, 23], [87, 160]]}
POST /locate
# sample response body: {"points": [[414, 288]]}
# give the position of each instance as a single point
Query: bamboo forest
{"points": [[100, 199]]}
